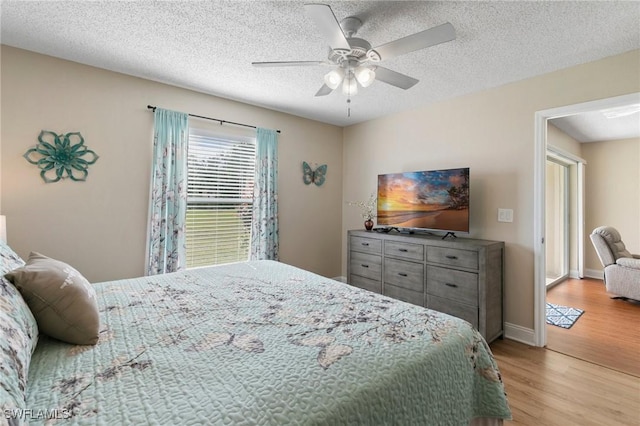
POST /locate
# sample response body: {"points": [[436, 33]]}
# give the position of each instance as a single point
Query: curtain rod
{"points": [[213, 119]]}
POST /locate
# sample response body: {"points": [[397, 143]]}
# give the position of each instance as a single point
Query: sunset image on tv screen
{"points": [[437, 199]]}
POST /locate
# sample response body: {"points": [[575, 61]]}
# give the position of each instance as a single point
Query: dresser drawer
{"points": [[366, 265], [461, 310], [366, 245], [404, 250], [453, 257], [409, 275], [403, 294], [451, 284], [366, 283]]}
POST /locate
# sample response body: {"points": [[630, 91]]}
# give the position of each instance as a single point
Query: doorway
{"points": [[540, 163]]}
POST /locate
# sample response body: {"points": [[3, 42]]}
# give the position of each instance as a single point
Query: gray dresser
{"points": [[459, 276]]}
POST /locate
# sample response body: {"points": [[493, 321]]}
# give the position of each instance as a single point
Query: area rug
{"points": [[562, 316]]}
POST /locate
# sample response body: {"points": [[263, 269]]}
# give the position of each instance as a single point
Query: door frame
{"points": [[572, 160], [539, 180], [559, 160]]}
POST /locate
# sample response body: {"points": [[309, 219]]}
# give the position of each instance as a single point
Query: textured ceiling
{"points": [[604, 125], [209, 46]]}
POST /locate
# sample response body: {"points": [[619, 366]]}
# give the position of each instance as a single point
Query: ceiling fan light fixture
{"points": [[350, 85], [333, 78], [365, 76]]}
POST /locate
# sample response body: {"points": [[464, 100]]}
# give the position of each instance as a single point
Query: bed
{"points": [[253, 343]]}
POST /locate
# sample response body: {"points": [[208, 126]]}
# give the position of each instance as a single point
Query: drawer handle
{"points": [[403, 250], [365, 244], [451, 285], [402, 274], [451, 257], [364, 265]]}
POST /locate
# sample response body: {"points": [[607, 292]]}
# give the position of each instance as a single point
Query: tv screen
{"points": [[433, 200]]}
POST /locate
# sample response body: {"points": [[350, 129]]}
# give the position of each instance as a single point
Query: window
{"points": [[219, 198]]}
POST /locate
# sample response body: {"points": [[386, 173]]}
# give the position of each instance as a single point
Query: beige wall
{"points": [[559, 139], [99, 226], [492, 132], [612, 181]]}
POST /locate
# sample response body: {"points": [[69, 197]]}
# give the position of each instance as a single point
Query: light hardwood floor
{"points": [[549, 388], [589, 376], [608, 333]]}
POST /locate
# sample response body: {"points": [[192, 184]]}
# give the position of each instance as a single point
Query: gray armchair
{"points": [[621, 268]]}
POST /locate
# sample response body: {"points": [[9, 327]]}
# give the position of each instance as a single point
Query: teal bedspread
{"points": [[265, 343]]}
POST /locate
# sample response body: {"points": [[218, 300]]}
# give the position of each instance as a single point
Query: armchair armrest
{"points": [[629, 262]]}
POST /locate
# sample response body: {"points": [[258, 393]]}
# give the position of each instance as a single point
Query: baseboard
{"points": [[340, 278], [594, 273], [519, 334], [588, 273]]}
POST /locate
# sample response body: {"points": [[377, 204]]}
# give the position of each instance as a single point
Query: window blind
{"points": [[219, 199]]}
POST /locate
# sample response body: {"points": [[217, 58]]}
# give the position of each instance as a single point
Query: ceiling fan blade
{"points": [[287, 63], [324, 90], [423, 39], [328, 25], [395, 78]]}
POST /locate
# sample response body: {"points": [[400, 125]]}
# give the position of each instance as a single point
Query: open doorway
{"points": [[540, 172]]}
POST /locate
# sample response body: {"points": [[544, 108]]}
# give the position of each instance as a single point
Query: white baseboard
{"points": [[588, 273], [519, 334], [594, 273], [341, 278]]}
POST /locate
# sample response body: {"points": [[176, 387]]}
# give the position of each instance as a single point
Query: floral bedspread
{"points": [[264, 343]]}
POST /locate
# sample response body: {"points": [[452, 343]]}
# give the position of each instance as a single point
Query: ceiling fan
{"points": [[353, 59]]}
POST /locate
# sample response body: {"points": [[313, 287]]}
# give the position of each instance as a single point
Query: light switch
{"points": [[505, 215]]}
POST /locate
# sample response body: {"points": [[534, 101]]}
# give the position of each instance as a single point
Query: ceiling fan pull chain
{"points": [[349, 106]]}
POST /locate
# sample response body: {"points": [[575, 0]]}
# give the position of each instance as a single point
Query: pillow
{"points": [[61, 299], [18, 339]]}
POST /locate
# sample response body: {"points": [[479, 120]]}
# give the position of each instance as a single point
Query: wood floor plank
{"points": [[545, 387], [608, 333]]}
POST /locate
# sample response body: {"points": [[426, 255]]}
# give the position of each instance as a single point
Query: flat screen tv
{"points": [[436, 200]]}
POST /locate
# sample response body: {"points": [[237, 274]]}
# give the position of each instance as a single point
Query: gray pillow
{"points": [[60, 298]]}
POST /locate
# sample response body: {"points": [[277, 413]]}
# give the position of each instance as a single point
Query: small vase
{"points": [[368, 224]]}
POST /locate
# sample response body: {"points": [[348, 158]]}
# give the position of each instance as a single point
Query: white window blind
{"points": [[219, 199]]}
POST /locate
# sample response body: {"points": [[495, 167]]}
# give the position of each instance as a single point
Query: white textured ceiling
{"points": [[604, 125], [209, 46]]}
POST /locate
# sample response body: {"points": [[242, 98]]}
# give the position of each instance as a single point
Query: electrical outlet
{"points": [[505, 215]]}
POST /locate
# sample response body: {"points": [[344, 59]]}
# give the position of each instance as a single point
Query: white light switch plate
{"points": [[505, 215]]}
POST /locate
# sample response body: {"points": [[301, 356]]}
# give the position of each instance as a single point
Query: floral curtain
{"points": [[264, 227], [168, 205]]}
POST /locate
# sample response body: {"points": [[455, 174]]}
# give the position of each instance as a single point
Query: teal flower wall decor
{"points": [[60, 157]]}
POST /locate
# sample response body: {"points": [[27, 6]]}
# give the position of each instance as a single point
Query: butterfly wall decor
{"points": [[316, 176]]}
